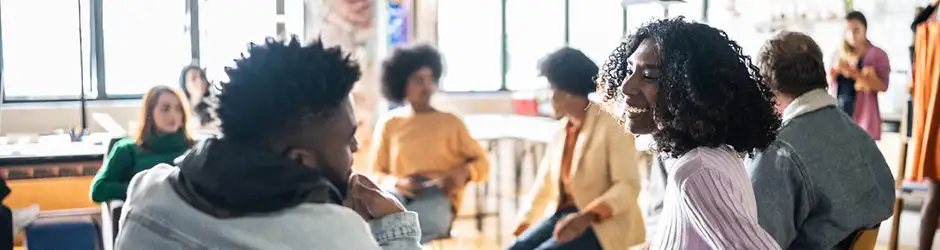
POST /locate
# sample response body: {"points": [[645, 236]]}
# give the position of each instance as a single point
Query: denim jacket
{"points": [[822, 179], [154, 217]]}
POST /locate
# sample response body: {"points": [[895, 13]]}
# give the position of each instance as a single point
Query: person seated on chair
{"points": [[590, 170], [200, 100], [824, 178], [427, 152], [13, 220], [281, 172], [161, 137]]}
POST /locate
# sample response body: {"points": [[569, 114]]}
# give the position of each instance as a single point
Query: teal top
{"points": [[127, 159]]}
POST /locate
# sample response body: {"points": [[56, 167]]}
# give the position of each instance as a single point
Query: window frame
{"points": [[93, 81], [567, 27]]}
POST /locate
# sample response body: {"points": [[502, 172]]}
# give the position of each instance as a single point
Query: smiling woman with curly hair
{"points": [[702, 100]]}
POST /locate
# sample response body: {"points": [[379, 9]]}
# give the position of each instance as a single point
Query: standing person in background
{"points": [[429, 153], [823, 182], [860, 72], [702, 100], [590, 170], [195, 86], [161, 137]]}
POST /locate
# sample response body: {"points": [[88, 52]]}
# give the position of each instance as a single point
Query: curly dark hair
{"points": [[792, 64], [405, 61], [280, 83], [710, 94], [569, 70]]}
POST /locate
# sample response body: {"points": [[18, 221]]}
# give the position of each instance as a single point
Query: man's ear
{"points": [[302, 157]]}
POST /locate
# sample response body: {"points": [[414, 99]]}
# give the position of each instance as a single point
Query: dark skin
{"points": [[639, 89], [421, 86], [574, 107], [329, 145]]}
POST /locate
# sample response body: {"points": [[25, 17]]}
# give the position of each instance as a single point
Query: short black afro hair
{"points": [[569, 70], [279, 83], [405, 61], [710, 94]]}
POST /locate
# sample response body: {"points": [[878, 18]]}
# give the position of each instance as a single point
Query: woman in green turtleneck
{"points": [[161, 138]]}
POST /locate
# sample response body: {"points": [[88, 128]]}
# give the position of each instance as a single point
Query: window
{"points": [[639, 14], [146, 43], [691, 9], [44, 47], [595, 28], [534, 28], [226, 28], [470, 39]]}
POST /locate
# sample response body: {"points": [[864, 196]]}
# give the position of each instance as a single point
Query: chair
{"points": [[110, 212], [74, 229], [862, 239], [110, 218]]}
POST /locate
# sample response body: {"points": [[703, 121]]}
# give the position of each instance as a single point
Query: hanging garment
{"points": [[925, 94]]}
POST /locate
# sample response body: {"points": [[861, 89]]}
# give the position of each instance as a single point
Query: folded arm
{"points": [[110, 183], [398, 231]]}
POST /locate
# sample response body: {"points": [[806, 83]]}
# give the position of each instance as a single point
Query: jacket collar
{"points": [[808, 102]]}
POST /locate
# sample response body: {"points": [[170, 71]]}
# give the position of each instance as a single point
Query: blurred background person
{"points": [[428, 153], [590, 170], [161, 137]]}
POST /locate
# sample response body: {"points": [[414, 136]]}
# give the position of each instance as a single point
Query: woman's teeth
{"points": [[636, 110]]}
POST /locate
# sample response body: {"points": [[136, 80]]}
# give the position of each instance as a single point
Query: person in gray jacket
{"points": [[280, 175], [824, 178]]}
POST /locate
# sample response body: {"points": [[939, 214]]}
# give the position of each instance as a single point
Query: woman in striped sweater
{"points": [[702, 100]]}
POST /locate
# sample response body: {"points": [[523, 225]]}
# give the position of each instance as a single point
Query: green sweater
{"points": [[127, 159]]}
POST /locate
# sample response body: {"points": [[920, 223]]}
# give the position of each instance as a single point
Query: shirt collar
{"points": [[808, 102]]}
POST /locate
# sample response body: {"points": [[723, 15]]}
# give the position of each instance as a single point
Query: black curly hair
{"points": [[568, 69], [405, 61], [710, 94], [280, 83]]}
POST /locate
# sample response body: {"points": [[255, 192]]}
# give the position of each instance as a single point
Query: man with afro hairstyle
{"points": [[280, 175]]}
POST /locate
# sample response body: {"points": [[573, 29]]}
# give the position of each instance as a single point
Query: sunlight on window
{"points": [[639, 14], [226, 29], [42, 54], [595, 28], [534, 28], [469, 34], [145, 44], [691, 9]]}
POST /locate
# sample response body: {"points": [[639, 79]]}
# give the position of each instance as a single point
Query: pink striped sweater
{"points": [[709, 204]]}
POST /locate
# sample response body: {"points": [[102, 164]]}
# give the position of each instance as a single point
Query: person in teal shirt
{"points": [[161, 138]]}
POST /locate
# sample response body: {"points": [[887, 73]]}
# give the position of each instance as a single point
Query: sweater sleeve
{"points": [[110, 183], [379, 150], [474, 153], [722, 222]]}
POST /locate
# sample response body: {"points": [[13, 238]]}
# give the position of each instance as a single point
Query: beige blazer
{"points": [[603, 169]]}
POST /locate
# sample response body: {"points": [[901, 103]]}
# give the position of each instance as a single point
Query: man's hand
{"points": [[368, 200], [408, 186], [573, 226], [454, 178], [520, 229]]}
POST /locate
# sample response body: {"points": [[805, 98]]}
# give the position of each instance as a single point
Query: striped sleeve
{"points": [[722, 221]]}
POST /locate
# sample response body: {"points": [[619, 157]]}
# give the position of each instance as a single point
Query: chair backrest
{"points": [[111, 146], [863, 239]]}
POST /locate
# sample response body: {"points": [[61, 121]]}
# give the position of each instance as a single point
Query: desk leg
{"points": [[499, 194]]}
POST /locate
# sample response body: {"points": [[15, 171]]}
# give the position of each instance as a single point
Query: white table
{"points": [[529, 131]]}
